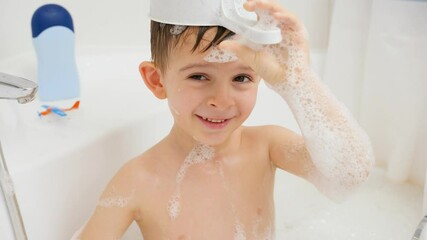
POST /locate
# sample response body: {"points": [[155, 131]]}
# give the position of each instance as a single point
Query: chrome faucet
{"points": [[21, 89], [24, 91]]}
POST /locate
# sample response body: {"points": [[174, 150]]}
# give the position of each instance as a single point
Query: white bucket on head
{"points": [[227, 13]]}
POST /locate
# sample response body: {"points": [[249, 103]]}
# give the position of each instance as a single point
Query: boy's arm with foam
{"points": [[116, 208], [334, 153]]}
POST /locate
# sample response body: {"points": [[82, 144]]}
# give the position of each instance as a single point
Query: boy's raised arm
{"points": [[335, 153]]}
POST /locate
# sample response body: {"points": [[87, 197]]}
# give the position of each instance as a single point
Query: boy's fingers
{"points": [[276, 10], [244, 53], [249, 6], [262, 63], [270, 5]]}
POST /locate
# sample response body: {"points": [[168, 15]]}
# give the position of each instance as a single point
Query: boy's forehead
{"points": [[183, 53]]}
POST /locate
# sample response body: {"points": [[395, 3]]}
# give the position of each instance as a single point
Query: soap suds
{"points": [[199, 154], [174, 205], [239, 232], [116, 201], [337, 145], [177, 29], [265, 20], [220, 56]]}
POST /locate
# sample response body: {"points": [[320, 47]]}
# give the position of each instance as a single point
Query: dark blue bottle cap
{"points": [[50, 15]]}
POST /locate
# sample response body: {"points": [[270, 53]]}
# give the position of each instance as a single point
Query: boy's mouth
{"points": [[214, 122]]}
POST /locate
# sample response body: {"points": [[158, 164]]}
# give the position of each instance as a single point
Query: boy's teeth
{"points": [[213, 120]]}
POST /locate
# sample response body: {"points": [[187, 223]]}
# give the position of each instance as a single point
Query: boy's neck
{"points": [[186, 143]]}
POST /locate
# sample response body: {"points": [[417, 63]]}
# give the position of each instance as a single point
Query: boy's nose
{"points": [[221, 97]]}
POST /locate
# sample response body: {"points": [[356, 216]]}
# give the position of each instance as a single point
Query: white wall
{"points": [[107, 22], [315, 14], [376, 67], [112, 22]]}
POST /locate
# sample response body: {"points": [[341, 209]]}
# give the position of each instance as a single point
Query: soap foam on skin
{"points": [[202, 153], [115, 200], [265, 22], [177, 29], [239, 232], [220, 56], [174, 205], [199, 154], [239, 228], [268, 233], [108, 202], [338, 146]]}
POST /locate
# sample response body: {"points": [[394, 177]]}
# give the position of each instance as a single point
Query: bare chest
{"points": [[212, 200]]}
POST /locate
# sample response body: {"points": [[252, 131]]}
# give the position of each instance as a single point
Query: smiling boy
{"points": [[211, 177]]}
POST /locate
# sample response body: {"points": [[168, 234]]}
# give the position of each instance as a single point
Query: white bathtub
{"points": [[61, 165]]}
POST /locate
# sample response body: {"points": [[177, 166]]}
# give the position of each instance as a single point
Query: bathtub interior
{"points": [[57, 162], [61, 165]]}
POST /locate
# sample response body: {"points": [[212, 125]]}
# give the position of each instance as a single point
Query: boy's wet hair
{"points": [[163, 40]]}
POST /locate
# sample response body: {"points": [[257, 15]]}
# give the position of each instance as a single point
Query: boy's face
{"points": [[208, 100]]}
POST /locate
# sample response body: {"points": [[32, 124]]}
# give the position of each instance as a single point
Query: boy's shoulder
{"points": [[158, 160], [139, 175], [266, 131], [144, 165], [269, 135]]}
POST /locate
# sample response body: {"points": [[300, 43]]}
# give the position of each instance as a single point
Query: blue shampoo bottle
{"points": [[53, 39]]}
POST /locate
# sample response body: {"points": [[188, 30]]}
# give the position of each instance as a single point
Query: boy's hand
{"points": [[279, 62]]}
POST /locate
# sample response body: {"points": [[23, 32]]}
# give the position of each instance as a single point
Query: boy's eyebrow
{"points": [[201, 65]]}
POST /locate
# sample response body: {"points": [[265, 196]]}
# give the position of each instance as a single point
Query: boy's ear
{"points": [[151, 76]]}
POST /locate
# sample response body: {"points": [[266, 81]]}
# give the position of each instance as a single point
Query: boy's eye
{"points": [[243, 78], [198, 77]]}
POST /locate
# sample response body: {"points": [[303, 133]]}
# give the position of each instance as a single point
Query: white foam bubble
{"points": [[265, 20], [177, 29], [220, 56], [174, 206], [339, 148], [116, 201], [239, 231], [199, 154]]}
